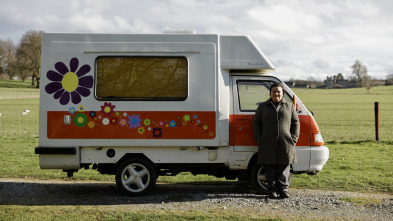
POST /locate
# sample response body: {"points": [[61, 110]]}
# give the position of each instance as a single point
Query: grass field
{"points": [[352, 166], [10, 89], [348, 114], [345, 118]]}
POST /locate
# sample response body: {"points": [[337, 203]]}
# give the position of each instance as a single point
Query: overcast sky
{"points": [[302, 38]]}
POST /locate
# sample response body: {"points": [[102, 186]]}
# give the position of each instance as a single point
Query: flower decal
{"points": [[134, 121], [114, 120], [92, 114], [105, 121], [91, 124], [141, 130], [147, 122], [81, 108], [186, 118], [123, 122], [172, 123], [71, 110], [69, 83], [80, 120], [107, 109], [157, 132]]}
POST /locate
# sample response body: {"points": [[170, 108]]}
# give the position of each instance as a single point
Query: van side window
{"points": [[252, 93], [141, 78]]}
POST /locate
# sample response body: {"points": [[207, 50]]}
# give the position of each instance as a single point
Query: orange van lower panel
{"points": [[241, 130], [131, 125]]}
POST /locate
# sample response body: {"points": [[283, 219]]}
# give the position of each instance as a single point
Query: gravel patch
{"points": [[233, 198]]}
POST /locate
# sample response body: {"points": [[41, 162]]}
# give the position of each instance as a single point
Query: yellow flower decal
{"points": [[91, 124], [81, 108], [141, 130]]}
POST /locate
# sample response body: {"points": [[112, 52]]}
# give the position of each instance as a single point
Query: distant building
{"points": [[303, 84], [338, 81]]}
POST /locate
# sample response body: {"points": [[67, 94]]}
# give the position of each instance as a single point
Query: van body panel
{"points": [[206, 121]]}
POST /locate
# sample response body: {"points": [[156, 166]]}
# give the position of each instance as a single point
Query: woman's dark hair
{"points": [[278, 85]]}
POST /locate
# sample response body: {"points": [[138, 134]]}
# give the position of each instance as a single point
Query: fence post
{"points": [[376, 111]]}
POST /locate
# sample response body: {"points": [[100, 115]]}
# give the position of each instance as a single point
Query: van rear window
{"points": [[141, 78]]}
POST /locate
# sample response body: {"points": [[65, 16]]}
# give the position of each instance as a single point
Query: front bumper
{"points": [[318, 157]]}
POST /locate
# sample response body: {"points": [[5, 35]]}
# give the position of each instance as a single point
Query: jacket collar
{"points": [[271, 101]]}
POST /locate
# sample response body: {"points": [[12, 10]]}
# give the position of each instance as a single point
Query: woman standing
{"points": [[276, 130]]}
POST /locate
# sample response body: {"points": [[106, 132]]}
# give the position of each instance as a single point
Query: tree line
{"points": [[358, 78], [22, 60]]}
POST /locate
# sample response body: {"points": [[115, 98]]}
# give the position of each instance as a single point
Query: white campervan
{"points": [[143, 106]]}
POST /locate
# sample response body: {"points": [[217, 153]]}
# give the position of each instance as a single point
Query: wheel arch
{"points": [[110, 168], [134, 155], [252, 161]]}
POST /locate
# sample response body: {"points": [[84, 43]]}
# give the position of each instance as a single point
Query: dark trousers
{"points": [[277, 177]]}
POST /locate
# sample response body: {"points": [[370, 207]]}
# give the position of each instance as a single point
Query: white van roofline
{"points": [[235, 52]]}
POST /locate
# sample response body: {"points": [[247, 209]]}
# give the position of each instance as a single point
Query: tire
{"points": [[258, 179], [136, 177]]}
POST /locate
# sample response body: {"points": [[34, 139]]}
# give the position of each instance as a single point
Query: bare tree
{"points": [[340, 76], [7, 58], [29, 55], [360, 72], [389, 79]]}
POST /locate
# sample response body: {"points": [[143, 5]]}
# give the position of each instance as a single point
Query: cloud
{"points": [[321, 64], [312, 38]]}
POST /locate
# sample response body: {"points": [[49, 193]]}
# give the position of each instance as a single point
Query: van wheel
{"points": [[136, 177], [258, 179]]}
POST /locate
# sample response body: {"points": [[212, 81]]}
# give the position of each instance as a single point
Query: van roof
{"points": [[235, 52]]}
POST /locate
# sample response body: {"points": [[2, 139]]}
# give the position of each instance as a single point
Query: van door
{"points": [[248, 93]]}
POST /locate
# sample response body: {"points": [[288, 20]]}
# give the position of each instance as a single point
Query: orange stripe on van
{"points": [[132, 125], [241, 130]]}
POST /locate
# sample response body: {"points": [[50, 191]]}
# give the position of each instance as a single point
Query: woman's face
{"points": [[276, 94]]}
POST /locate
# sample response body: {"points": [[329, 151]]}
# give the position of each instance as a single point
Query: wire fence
{"points": [[19, 124], [355, 125], [335, 125], [19, 95]]}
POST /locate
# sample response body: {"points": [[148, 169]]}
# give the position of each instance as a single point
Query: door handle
{"points": [[242, 118]]}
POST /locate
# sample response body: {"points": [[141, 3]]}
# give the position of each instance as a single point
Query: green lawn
{"points": [[355, 162], [352, 166], [348, 114], [11, 89], [13, 84], [345, 118]]}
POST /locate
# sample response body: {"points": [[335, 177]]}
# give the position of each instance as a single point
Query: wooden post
{"points": [[376, 111]]}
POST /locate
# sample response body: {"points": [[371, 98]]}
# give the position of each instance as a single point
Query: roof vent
{"points": [[180, 31]]}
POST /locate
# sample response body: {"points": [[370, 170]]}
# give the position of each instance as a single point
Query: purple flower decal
{"points": [[157, 132], [134, 121], [69, 83]]}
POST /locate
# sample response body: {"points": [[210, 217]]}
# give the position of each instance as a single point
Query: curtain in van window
{"points": [[141, 78]]}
